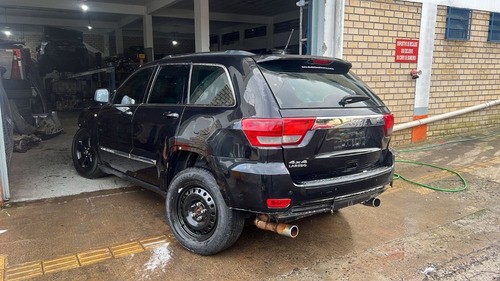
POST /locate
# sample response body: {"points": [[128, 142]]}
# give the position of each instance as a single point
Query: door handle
{"points": [[169, 114]]}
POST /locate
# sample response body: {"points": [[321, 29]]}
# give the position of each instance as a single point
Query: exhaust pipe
{"points": [[374, 202], [284, 229]]}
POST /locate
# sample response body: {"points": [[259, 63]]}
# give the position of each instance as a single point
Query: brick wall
{"points": [[94, 40], [32, 41], [464, 73], [370, 33]]}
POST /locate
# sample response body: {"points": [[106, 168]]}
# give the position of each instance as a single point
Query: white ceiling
{"points": [[168, 15]]}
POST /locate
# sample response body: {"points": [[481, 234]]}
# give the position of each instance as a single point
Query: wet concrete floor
{"points": [[416, 234]]}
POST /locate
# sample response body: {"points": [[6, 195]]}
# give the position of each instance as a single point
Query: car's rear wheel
{"points": [[85, 157], [198, 215]]}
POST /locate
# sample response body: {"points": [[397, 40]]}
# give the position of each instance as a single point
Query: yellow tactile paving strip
{"points": [[33, 269], [2, 267]]}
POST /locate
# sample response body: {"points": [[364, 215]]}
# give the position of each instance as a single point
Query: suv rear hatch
{"points": [[332, 124]]}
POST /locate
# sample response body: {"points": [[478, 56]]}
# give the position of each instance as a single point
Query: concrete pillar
{"points": [[317, 26], [327, 28], [119, 40], [105, 37], [424, 63], [147, 30], [201, 26], [4, 173]]}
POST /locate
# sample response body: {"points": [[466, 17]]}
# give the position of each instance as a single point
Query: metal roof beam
{"points": [[222, 17], [57, 22], [159, 4], [99, 7]]}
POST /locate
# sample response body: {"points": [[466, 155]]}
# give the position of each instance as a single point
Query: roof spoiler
{"points": [[311, 64]]}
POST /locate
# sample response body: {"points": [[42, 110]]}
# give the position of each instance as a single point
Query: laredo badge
{"points": [[297, 164]]}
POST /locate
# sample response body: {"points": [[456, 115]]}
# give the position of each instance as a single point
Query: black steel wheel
{"points": [[84, 153], [197, 212], [198, 215]]}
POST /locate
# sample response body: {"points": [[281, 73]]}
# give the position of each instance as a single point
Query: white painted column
{"points": [[327, 30], [119, 40], [105, 37], [317, 26], [147, 28], [4, 172], [333, 32], [201, 26], [424, 63], [338, 39]]}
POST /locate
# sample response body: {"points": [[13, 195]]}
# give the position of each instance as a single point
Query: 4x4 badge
{"points": [[297, 164]]}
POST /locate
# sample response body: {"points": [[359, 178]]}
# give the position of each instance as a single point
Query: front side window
{"points": [[210, 85], [458, 24], [170, 85], [133, 90]]}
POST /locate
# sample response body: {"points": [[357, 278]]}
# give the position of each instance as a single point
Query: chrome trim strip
{"points": [[351, 152], [116, 152], [344, 179], [129, 155], [348, 122], [142, 159]]}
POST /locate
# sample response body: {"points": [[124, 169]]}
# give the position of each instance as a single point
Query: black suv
{"points": [[227, 137]]}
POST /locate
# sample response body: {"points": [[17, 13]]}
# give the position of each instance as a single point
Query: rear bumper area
{"points": [[250, 184]]}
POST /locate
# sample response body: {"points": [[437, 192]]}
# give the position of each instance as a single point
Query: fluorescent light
{"points": [[84, 7], [89, 27], [7, 33], [174, 42]]}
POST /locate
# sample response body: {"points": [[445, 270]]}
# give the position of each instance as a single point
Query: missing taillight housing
{"points": [[269, 132], [388, 124]]}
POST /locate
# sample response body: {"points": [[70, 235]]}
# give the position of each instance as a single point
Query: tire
{"points": [[84, 154], [198, 215]]}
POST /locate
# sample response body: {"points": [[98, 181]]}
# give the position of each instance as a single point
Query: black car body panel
{"points": [[343, 160]]}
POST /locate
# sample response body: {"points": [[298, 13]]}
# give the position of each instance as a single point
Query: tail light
{"points": [[276, 131], [388, 124], [278, 203]]}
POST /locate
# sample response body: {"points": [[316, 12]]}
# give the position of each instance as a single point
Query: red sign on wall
{"points": [[406, 50]]}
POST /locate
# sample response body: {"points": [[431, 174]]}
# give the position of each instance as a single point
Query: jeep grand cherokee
{"points": [[231, 136]]}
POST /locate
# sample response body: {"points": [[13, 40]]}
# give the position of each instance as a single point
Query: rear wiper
{"points": [[352, 99]]}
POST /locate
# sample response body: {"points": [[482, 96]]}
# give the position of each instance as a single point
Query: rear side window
{"points": [[210, 85], [309, 86], [133, 90], [170, 85]]}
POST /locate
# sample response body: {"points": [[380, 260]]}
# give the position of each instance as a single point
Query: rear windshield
{"points": [[307, 88]]}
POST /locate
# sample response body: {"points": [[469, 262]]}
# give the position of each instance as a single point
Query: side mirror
{"points": [[101, 95]]}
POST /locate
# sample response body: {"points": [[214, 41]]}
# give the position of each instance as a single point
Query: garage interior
{"points": [[57, 53]]}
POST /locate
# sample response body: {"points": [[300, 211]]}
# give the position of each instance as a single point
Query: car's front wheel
{"points": [[198, 215], [84, 153]]}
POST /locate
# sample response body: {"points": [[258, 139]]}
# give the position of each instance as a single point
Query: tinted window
{"points": [[170, 85], [314, 89], [133, 90], [210, 85]]}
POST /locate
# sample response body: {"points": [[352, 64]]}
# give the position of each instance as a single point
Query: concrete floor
{"points": [[46, 170], [416, 234]]}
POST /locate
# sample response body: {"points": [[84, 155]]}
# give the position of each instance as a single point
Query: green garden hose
{"points": [[437, 188]]}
